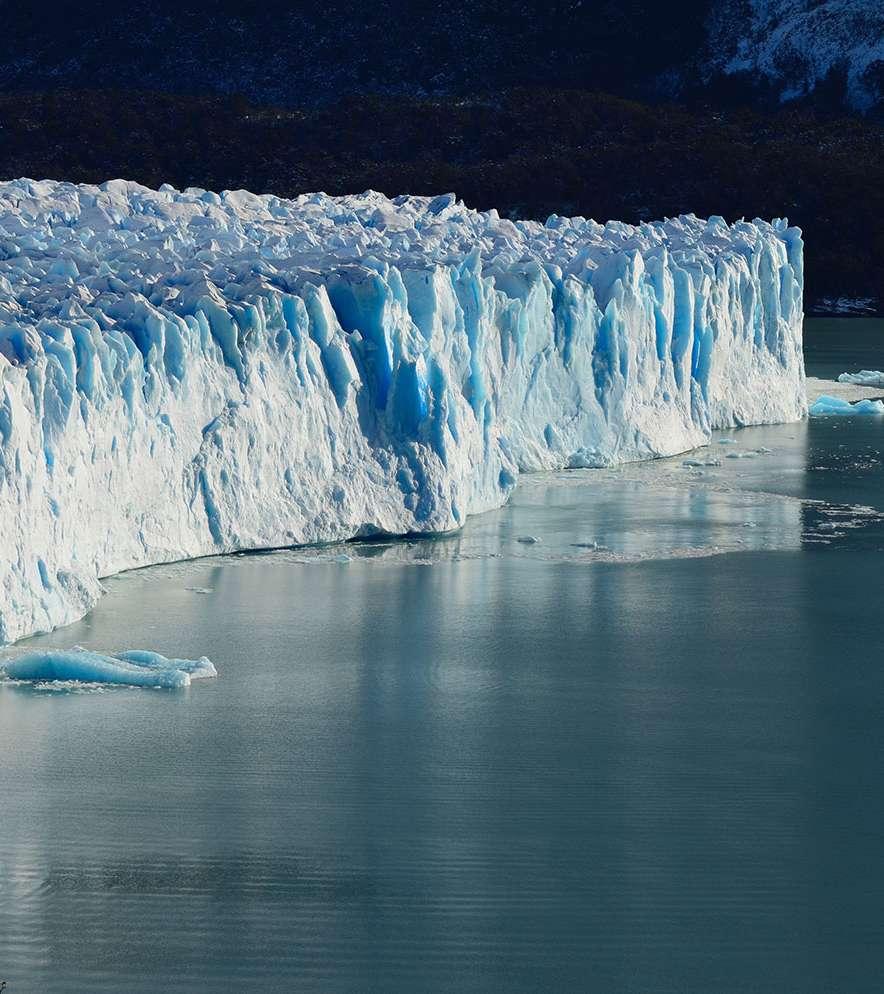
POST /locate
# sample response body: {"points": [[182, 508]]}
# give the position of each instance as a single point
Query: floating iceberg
{"points": [[189, 373], [826, 406], [134, 668], [864, 378]]}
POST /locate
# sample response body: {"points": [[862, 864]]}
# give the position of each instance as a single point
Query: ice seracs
{"points": [[186, 373]]}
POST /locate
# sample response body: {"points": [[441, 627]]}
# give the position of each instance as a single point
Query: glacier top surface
{"points": [[68, 250]]}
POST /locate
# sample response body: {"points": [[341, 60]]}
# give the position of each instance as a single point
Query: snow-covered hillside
{"points": [[795, 44], [187, 373], [313, 53]]}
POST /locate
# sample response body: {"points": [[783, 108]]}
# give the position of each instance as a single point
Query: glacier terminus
{"points": [[184, 373]]}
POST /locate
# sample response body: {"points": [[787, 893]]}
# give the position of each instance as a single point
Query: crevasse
{"points": [[188, 373]]}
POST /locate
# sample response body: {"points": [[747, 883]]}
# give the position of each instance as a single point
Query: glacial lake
{"points": [[641, 753]]}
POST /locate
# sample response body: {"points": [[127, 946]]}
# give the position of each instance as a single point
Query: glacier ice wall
{"points": [[187, 373]]}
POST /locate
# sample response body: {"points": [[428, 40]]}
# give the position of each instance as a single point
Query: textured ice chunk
{"points": [[188, 373], [864, 378], [135, 668], [828, 406]]}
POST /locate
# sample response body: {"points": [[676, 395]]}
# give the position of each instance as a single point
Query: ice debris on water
{"points": [[134, 668], [826, 406], [864, 378], [184, 373]]}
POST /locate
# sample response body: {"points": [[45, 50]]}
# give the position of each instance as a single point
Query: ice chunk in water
{"points": [[828, 406], [134, 668], [864, 378]]}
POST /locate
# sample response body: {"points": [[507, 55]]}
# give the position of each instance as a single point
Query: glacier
{"points": [[186, 373], [132, 668]]}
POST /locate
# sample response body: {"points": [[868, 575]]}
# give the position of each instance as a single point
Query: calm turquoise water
{"points": [[644, 754]]}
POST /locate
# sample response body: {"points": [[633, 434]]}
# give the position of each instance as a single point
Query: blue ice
{"points": [[826, 406], [133, 668]]}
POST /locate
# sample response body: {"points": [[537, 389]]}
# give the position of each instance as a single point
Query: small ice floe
{"points": [[826, 406], [201, 590], [696, 463], [741, 455], [864, 378], [854, 306], [727, 441], [133, 668], [529, 540]]}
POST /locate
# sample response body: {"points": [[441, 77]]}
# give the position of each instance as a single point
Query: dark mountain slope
{"points": [[528, 152], [294, 54]]}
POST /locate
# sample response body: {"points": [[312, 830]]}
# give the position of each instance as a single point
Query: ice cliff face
{"points": [[186, 373]]}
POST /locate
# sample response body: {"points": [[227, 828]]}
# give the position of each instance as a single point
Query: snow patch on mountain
{"points": [[796, 44]]}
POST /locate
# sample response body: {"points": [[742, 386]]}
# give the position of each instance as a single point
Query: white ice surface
{"points": [[188, 373], [864, 378], [817, 387], [134, 668]]}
